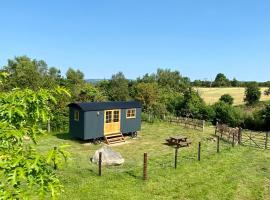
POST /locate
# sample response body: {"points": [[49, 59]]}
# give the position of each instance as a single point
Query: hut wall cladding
{"points": [[76, 127], [94, 124], [130, 124]]}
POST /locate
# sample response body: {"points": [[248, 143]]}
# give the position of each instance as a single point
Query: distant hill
{"points": [[94, 81]]}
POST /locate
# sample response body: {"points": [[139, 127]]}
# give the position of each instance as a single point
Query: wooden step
{"points": [[114, 135], [116, 142], [114, 138]]}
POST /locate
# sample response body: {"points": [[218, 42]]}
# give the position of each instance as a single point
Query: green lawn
{"points": [[234, 173]]}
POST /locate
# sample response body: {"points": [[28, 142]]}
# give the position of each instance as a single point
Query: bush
{"points": [[227, 114], [267, 92], [150, 117], [252, 93], [258, 120], [193, 106], [266, 117], [254, 122], [226, 98]]}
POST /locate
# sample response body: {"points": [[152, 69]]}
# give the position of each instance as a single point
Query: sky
{"points": [[199, 38]]}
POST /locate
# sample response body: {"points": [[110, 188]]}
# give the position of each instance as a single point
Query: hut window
{"points": [[116, 116], [109, 116], [76, 115], [131, 113]]}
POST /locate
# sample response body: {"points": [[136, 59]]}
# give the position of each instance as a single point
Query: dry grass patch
{"points": [[212, 95]]}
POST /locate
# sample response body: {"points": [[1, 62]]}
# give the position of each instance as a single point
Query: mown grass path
{"points": [[234, 173]]}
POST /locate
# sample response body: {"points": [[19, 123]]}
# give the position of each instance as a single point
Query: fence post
{"points": [[99, 163], [203, 124], [49, 126], [199, 152], [217, 144], [233, 138], [54, 160], [175, 156], [145, 166], [266, 140], [239, 135], [216, 128]]}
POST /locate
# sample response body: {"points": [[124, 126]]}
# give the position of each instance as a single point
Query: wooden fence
{"points": [[229, 134], [243, 137], [188, 122]]}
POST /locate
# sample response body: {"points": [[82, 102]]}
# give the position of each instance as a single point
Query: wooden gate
{"points": [[255, 139]]}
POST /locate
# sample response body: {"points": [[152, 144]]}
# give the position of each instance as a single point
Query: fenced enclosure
{"points": [[187, 122]]}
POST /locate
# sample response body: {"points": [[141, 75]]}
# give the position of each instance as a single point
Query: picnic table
{"points": [[179, 140]]}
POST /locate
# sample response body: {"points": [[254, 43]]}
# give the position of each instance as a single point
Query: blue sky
{"points": [[197, 37]]}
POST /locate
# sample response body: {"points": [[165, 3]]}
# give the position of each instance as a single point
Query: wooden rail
{"points": [[229, 134], [188, 122]]}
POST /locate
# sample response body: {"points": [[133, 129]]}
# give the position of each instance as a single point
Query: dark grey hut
{"points": [[101, 119]]}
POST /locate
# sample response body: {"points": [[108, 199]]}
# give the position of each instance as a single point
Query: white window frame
{"points": [[131, 116]]}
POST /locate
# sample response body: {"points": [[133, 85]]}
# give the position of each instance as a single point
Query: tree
{"points": [[75, 77], [227, 114], [252, 93], [235, 83], [25, 173], [197, 83], [221, 81], [267, 92], [74, 82], [89, 93], [266, 116], [170, 99], [226, 98], [172, 80], [30, 73], [54, 73], [193, 106], [118, 88], [25, 73], [147, 78], [147, 94]]}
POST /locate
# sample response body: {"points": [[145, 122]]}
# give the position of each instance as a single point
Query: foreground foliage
{"points": [[24, 172]]}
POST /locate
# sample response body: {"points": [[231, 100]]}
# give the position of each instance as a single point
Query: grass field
{"points": [[212, 95], [234, 173]]}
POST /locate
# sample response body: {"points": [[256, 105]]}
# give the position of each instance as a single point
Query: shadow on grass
{"points": [[66, 136], [133, 174], [93, 172]]}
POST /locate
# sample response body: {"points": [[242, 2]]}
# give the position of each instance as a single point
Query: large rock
{"points": [[109, 157]]}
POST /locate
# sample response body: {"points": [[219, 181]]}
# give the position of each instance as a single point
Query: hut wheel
{"points": [[134, 134]]}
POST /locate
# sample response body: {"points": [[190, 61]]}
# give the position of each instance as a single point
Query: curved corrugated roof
{"points": [[89, 106]]}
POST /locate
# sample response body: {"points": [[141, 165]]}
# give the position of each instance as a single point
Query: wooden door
{"points": [[112, 121]]}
